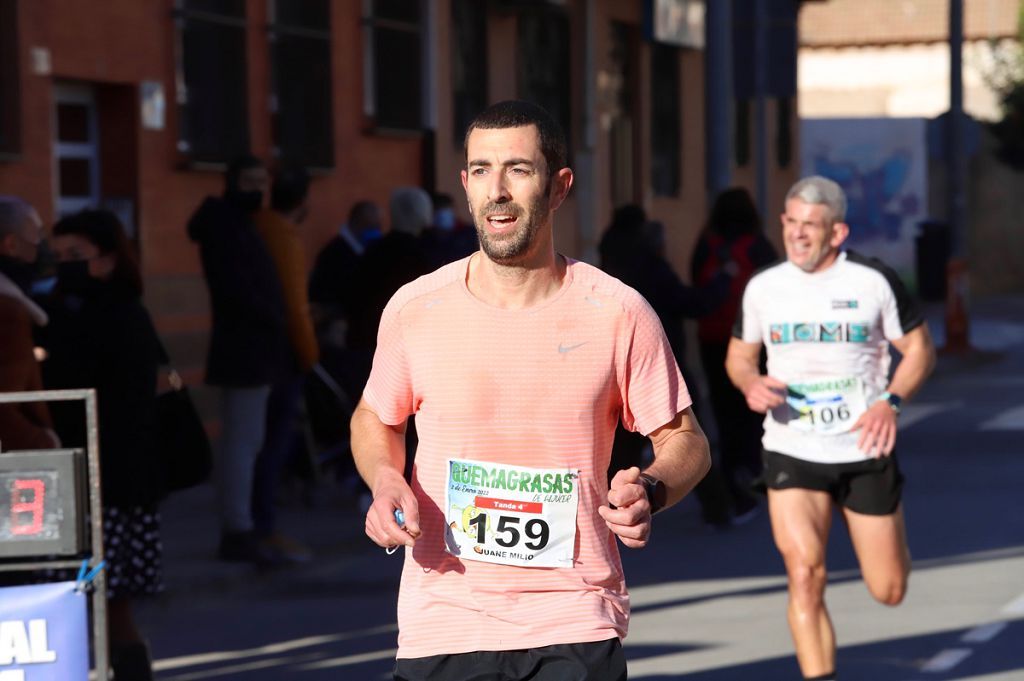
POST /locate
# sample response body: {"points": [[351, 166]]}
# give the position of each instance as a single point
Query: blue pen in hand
{"points": [[400, 519]]}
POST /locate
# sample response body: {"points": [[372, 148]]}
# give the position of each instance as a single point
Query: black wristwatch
{"points": [[657, 494]]}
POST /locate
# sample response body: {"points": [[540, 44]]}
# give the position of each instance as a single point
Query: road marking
{"points": [[946, 660], [358, 658], [170, 663], [1015, 608], [983, 633], [912, 413], [1010, 419]]}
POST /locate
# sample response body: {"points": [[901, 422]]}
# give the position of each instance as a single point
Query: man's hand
{"points": [[764, 393], [391, 493], [630, 519], [877, 428]]}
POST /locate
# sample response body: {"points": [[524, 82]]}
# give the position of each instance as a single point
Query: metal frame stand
{"points": [[98, 595]]}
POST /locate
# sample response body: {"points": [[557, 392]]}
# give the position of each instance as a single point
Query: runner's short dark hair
{"points": [[517, 113]]}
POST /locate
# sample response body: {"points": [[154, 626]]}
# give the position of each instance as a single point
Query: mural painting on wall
{"points": [[881, 164]]}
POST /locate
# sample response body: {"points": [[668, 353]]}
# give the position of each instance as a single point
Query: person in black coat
{"points": [[639, 261], [100, 336], [735, 239], [249, 348]]}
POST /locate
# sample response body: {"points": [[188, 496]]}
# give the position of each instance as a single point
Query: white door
{"points": [[76, 148]]}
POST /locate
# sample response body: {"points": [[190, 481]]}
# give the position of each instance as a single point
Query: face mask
{"points": [[369, 235], [73, 276], [246, 201], [20, 272], [445, 219]]}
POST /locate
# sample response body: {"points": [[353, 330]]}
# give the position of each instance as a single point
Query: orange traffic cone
{"points": [[957, 318]]}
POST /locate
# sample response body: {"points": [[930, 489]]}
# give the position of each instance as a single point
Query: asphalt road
{"points": [[707, 605]]}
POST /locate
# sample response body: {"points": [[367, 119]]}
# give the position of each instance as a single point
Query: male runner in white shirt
{"points": [[827, 317]]}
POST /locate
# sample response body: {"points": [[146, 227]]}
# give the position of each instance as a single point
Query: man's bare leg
{"points": [[801, 520], [880, 542]]}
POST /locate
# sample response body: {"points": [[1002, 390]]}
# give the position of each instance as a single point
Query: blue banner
{"points": [[44, 633]]}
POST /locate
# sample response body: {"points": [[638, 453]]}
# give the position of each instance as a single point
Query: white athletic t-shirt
{"points": [[827, 337]]}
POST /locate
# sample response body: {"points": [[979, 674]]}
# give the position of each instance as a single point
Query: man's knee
{"points": [[806, 580], [890, 591]]}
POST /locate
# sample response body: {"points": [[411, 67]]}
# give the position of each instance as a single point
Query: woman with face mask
{"points": [[100, 336]]}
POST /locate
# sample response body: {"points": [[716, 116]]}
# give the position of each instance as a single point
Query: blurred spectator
{"points": [[390, 263], [733, 239], [100, 336], [248, 344], [279, 228], [330, 284], [446, 239], [395, 259], [622, 238], [641, 262], [25, 425]]}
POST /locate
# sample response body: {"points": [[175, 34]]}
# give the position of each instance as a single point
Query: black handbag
{"points": [[182, 446]]}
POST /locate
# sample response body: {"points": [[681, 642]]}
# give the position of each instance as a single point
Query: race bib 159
{"points": [[512, 515]]}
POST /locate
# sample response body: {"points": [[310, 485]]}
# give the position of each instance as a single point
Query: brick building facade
{"points": [[136, 104]]}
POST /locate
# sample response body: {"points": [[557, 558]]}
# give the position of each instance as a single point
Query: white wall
{"points": [[896, 81]]}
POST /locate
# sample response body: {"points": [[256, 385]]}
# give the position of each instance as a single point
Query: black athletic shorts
{"points": [[872, 487], [599, 661]]}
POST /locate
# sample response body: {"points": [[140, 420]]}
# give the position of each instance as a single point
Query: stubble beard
{"points": [[507, 249]]}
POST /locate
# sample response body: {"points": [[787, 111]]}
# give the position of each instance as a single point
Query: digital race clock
{"points": [[42, 503]]}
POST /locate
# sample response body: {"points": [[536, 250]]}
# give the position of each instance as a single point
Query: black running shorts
{"points": [[599, 661], [872, 487]]}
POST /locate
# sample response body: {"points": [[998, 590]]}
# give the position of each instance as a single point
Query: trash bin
{"points": [[933, 251]]}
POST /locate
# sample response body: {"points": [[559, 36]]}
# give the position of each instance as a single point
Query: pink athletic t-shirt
{"points": [[538, 388]]}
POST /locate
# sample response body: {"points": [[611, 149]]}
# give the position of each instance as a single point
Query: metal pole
{"points": [[760, 88], [99, 601], [585, 167], [956, 157], [718, 97], [957, 293]]}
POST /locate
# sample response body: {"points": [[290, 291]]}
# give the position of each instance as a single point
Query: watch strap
{"points": [[656, 492]]}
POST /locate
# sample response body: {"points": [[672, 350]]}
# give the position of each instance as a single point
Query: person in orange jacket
{"points": [[279, 228]]}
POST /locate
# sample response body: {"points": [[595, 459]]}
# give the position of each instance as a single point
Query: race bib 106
{"points": [[512, 515], [826, 407]]}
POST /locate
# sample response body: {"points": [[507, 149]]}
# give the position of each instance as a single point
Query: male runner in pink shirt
{"points": [[517, 363]]}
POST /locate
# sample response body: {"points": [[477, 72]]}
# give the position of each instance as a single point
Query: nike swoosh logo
{"points": [[569, 348]]}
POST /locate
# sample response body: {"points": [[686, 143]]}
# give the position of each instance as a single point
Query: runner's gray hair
{"points": [[411, 210], [821, 190], [13, 214]]}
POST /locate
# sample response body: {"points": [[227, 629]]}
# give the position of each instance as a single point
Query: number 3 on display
{"points": [[535, 529], [20, 489]]}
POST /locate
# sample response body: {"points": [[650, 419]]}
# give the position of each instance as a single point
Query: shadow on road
{"points": [[896, 659]]}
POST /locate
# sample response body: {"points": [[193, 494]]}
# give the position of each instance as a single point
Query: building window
{"points": [[469, 64], [10, 103], [544, 77], [784, 133], [394, 78], [666, 120], [742, 146], [212, 73], [300, 52]]}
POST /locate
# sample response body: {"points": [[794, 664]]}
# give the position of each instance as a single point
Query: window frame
{"points": [[371, 105], [10, 82], [276, 29], [181, 16], [657, 144]]}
